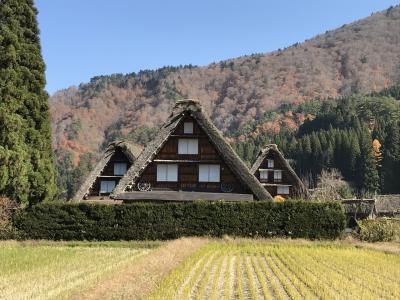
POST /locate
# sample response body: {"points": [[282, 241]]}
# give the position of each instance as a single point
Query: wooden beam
{"points": [[275, 184], [186, 161], [181, 196]]}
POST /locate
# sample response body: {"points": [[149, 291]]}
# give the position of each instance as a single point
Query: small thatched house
{"points": [[116, 160], [387, 206], [276, 175], [189, 160]]}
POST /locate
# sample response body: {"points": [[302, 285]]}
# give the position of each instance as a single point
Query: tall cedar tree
{"points": [[391, 159], [26, 164]]}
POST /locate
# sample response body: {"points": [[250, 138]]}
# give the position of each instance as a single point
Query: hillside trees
{"points": [[26, 164], [359, 136]]}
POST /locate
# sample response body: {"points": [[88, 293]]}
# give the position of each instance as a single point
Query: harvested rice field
{"points": [[50, 270], [199, 268], [251, 270]]}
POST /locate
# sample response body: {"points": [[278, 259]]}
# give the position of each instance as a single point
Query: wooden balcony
{"points": [[174, 196]]}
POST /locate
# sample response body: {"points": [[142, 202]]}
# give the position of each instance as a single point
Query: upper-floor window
{"points": [[167, 172], [270, 163], [263, 174], [188, 127], [209, 173], [188, 146], [277, 175], [119, 169]]}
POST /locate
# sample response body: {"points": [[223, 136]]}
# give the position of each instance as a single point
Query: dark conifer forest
{"points": [[358, 135]]}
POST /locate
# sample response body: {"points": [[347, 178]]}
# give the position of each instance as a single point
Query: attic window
{"points": [[188, 146], [270, 163], [167, 172], [119, 169], [188, 127]]}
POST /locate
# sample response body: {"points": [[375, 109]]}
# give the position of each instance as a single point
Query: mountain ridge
{"points": [[360, 57]]}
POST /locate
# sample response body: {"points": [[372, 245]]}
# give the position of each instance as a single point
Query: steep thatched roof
{"points": [[191, 108], [387, 204], [298, 185], [131, 151]]}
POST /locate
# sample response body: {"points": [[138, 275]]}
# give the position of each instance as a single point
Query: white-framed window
{"points": [[270, 163], [263, 174], [188, 127], [209, 173], [188, 146], [277, 175], [167, 172], [107, 186], [283, 190], [119, 168]]}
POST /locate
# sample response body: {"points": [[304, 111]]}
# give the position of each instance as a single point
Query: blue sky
{"points": [[84, 38]]}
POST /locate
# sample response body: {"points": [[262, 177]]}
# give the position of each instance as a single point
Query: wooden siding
{"points": [[174, 196], [108, 172], [188, 164]]}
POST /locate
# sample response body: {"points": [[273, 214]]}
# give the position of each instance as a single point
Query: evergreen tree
{"points": [[391, 160], [368, 179], [27, 172]]}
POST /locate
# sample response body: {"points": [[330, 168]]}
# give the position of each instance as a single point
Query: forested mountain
{"points": [[358, 135], [27, 172], [360, 57], [252, 99]]}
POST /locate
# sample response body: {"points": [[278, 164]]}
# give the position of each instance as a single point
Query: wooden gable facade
{"points": [[276, 175], [117, 159], [188, 155], [188, 161]]}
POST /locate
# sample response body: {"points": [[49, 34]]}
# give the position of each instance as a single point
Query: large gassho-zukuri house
{"points": [[276, 175], [188, 160], [116, 160]]}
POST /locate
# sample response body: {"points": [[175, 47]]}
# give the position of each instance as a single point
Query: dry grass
{"points": [[134, 281], [50, 270]]}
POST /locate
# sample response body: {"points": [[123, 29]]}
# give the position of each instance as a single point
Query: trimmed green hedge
{"points": [[146, 221]]}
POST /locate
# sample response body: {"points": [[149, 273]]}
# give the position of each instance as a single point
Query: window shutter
{"points": [[203, 173], [263, 174], [120, 168], [209, 173], [193, 147], [214, 173], [182, 146], [161, 172], [107, 186], [270, 163], [188, 127], [277, 175], [188, 146], [283, 190], [167, 172], [172, 173]]}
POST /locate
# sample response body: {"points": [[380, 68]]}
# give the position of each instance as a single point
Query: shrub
{"points": [[149, 221], [379, 230], [6, 209]]}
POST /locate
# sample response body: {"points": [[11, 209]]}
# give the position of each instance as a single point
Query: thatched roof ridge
{"points": [[192, 108], [359, 208], [300, 189], [388, 204], [131, 150]]}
